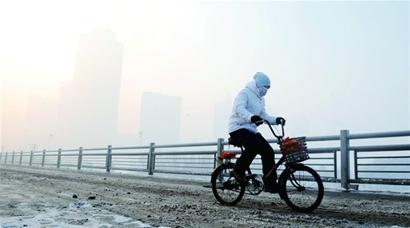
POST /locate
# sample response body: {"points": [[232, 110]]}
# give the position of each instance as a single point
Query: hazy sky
{"points": [[333, 65]]}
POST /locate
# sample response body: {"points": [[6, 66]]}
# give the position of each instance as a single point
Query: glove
{"points": [[257, 120], [280, 120]]}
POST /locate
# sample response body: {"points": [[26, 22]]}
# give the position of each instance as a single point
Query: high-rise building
{"points": [[88, 113], [160, 118]]}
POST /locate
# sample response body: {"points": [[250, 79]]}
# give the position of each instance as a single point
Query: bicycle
{"points": [[299, 185]]}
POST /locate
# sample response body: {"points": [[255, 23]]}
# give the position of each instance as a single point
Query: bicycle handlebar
{"points": [[279, 137]]}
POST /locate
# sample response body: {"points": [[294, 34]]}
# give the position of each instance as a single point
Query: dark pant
{"points": [[254, 144]]}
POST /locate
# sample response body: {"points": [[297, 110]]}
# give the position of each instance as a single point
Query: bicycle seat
{"points": [[234, 142]]}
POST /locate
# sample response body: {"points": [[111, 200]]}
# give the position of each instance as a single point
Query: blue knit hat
{"points": [[261, 80]]}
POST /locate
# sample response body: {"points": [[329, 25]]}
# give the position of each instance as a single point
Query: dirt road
{"points": [[46, 197]]}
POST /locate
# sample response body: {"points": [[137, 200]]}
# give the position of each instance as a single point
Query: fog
{"points": [[74, 73]]}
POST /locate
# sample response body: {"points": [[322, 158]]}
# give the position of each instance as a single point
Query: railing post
{"points": [[108, 159], [12, 158], [43, 158], [151, 159], [59, 158], [344, 162], [1, 155], [80, 158], [356, 172], [219, 149], [21, 157], [31, 158], [335, 164], [5, 159]]}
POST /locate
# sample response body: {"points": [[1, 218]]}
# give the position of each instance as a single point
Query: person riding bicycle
{"points": [[249, 112]]}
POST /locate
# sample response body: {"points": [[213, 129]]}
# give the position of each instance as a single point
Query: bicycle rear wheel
{"points": [[225, 187], [301, 188]]}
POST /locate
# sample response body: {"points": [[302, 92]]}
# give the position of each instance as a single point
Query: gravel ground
{"points": [[36, 197]]}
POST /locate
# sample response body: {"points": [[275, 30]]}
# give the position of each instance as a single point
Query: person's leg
{"points": [[246, 138], [268, 160]]}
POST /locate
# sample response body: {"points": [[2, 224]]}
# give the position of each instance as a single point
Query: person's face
{"points": [[263, 90]]}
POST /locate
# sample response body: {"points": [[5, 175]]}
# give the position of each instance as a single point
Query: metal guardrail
{"points": [[368, 165]]}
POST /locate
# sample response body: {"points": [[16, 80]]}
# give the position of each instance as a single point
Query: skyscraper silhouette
{"points": [[89, 104]]}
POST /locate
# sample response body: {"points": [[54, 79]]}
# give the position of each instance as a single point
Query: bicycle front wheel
{"points": [[225, 188], [301, 188]]}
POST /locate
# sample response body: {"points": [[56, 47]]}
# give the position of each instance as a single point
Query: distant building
{"points": [[88, 112], [160, 118]]}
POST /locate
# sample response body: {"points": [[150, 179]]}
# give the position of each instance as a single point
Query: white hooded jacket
{"points": [[247, 104]]}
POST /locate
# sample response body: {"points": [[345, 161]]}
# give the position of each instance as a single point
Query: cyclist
{"points": [[247, 113]]}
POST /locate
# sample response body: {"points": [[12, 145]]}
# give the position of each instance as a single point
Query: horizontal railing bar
{"points": [[99, 161], [120, 159], [323, 150], [65, 155], [381, 148], [186, 153], [168, 162], [68, 165], [95, 154], [384, 164], [383, 157], [323, 138], [186, 167], [95, 149], [329, 158], [123, 159], [70, 150], [126, 164], [184, 158], [186, 145], [379, 135], [311, 164], [93, 167], [130, 148], [128, 169], [131, 154], [381, 171]]}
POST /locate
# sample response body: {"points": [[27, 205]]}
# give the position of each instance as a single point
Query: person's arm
{"points": [[240, 104]]}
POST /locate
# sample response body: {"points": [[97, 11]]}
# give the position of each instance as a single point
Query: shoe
{"points": [[240, 178]]}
